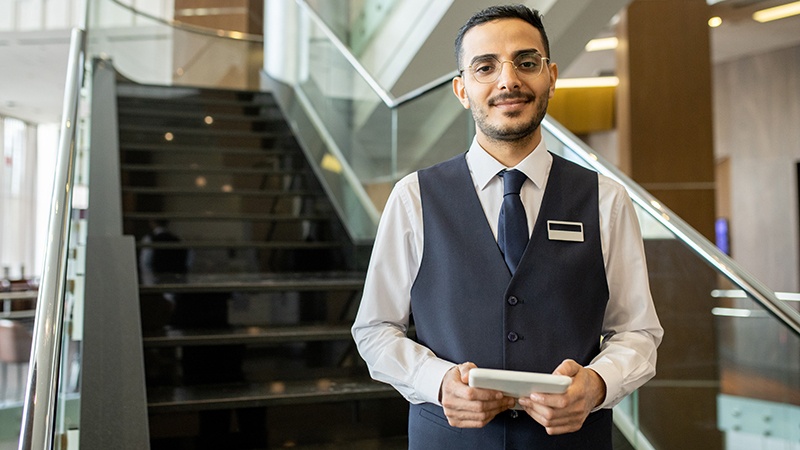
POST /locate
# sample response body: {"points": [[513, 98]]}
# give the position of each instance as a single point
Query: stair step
{"points": [[172, 148], [158, 102], [178, 132], [133, 111], [160, 91], [223, 216], [277, 245], [247, 395], [388, 443], [246, 335], [272, 282], [192, 168], [225, 193]]}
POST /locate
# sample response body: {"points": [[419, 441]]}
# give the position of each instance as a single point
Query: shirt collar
{"points": [[484, 167]]}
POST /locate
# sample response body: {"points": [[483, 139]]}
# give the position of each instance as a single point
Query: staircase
{"points": [[246, 306]]}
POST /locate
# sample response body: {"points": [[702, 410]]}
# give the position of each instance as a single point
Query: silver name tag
{"points": [[558, 230]]}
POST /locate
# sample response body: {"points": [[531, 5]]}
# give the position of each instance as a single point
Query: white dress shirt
{"points": [[631, 328]]}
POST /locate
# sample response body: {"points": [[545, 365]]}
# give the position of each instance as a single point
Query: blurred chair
{"points": [[15, 350]]}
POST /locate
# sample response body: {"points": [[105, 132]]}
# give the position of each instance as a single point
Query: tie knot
{"points": [[512, 181]]}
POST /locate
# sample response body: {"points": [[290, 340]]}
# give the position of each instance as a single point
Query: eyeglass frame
{"points": [[545, 62]]}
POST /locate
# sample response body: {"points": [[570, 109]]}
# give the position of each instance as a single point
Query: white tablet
{"points": [[518, 384]]}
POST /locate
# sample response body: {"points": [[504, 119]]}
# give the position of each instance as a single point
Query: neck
{"points": [[510, 153]]}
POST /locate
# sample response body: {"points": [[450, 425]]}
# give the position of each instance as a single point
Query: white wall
{"points": [[757, 125], [37, 15]]}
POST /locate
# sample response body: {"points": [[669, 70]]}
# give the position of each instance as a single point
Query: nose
{"points": [[508, 78]]}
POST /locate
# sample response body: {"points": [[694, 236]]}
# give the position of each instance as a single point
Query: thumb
{"points": [[568, 367], [463, 370]]}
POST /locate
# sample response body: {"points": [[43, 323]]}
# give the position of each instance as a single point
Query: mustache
{"points": [[512, 96]]}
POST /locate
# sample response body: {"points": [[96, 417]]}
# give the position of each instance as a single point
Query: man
{"points": [[573, 299]]}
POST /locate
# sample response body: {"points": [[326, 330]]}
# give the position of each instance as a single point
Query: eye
{"points": [[528, 61], [484, 67]]}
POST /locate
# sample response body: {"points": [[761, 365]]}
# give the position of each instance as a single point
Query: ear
{"points": [[553, 68], [460, 91]]}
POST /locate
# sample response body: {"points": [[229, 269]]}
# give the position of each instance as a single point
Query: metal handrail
{"points": [[388, 99], [39, 408], [696, 241]]}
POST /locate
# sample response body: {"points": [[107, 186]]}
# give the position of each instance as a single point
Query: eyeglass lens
{"points": [[488, 69]]}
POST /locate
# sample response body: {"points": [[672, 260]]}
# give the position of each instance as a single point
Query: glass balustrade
{"points": [[714, 363], [152, 48], [728, 370]]}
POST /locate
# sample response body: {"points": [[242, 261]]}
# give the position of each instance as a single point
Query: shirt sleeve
{"points": [[631, 329], [381, 325]]}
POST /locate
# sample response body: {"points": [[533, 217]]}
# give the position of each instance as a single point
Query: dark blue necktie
{"points": [[512, 228]]}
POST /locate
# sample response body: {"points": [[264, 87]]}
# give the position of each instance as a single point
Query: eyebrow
{"points": [[495, 56]]}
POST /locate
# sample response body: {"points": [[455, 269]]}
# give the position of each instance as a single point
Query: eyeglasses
{"points": [[487, 69]]}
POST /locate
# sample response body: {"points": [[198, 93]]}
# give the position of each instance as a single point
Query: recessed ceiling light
{"points": [[566, 83], [715, 21], [598, 44], [777, 12]]}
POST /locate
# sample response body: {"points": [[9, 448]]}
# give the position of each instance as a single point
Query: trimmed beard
{"points": [[510, 133]]}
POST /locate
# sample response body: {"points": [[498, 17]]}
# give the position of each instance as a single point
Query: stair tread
{"points": [[239, 282], [245, 334], [138, 110], [170, 147], [231, 192], [212, 215], [242, 244], [200, 131], [192, 168], [387, 443], [127, 100], [194, 398]]}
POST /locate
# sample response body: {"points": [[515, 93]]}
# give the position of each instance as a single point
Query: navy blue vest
{"points": [[466, 306]]}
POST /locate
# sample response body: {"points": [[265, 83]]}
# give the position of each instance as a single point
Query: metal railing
{"points": [[694, 240], [39, 408], [698, 243]]}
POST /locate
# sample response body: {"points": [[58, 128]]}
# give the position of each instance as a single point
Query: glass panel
{"points": [[728, 372], [149, 50], [431, 129], [354, 21], [354, 127]]}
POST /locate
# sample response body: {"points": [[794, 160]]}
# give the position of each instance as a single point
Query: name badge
{"points": [[564, 231]]}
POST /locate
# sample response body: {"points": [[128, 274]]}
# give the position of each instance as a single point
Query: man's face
{"points": [[511, 107]]}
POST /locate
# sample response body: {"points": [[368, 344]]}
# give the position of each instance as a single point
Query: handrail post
{"points": [[39, 408]]}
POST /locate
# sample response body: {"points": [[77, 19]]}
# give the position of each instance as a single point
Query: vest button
{"points": [[513, 300], [513, 337]]}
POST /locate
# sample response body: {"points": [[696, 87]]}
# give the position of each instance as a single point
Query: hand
{"points": [[469, 407], [565, 413]]}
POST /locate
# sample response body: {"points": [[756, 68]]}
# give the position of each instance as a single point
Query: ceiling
{"points": [[737, 37], [35, 63]]}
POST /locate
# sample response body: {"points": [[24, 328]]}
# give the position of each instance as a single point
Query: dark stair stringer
{"points": [[247, 344]]}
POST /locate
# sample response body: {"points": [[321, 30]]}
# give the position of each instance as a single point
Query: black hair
{"points": [[491, 13]]}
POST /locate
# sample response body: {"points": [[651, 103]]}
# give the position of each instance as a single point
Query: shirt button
{"points": [[513, 337], [513, 300]]}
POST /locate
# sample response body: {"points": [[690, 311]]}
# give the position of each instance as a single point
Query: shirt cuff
{"points": [[613, 380], [429, 380]]}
